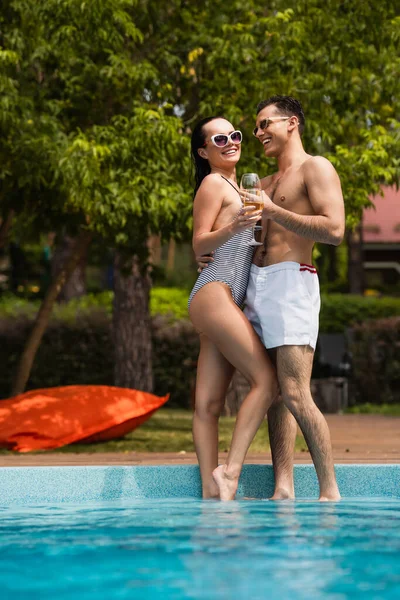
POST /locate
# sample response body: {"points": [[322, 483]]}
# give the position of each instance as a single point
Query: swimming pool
{"points": [[101, 532]]}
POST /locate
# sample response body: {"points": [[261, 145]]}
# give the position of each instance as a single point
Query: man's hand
{"points": [[268, 204], [204, 261], [247, 196]]}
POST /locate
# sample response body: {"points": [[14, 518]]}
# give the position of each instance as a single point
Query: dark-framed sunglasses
{"points": [[222, 139], [265, 123]]}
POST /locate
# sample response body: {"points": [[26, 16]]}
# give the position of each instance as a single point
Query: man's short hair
{"points": [[288, 106]]}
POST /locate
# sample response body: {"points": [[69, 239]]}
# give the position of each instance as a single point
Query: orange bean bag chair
{"points": [[53, 417]]}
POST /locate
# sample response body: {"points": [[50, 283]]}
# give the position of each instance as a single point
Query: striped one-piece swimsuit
{"points": [[231, 265]]}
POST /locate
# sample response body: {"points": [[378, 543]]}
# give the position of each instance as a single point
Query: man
{"points": [[303, 204]]}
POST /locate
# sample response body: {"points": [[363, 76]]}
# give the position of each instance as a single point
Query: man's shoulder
{"points": [[317, 164]]}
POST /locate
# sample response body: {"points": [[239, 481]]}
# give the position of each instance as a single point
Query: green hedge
{"points": [[76, 348], [79, 351], [163, 301], [338, 311], [376, 362]]}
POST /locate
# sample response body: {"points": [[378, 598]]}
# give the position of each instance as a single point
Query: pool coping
{"points": [[55, 484]]}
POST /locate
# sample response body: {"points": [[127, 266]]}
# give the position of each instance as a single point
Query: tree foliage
{"points": [[97, 100], [114, 178], [83, 143], [341, 59], [88, 87]]}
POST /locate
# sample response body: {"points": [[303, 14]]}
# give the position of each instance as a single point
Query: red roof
{"points": [[382, 223]]}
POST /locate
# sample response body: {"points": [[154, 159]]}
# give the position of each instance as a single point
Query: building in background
{"points": [[381, 242]]}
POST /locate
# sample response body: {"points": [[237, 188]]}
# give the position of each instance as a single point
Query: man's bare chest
{"points": [[289, 193]]}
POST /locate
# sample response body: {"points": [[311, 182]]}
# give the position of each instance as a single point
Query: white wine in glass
{"points": [[251, 183]]}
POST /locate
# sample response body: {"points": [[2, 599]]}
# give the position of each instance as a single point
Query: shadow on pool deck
{"points": [[355, 439]]}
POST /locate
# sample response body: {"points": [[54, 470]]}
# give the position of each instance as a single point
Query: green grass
{"points": [[388, 410], [170, 430]]}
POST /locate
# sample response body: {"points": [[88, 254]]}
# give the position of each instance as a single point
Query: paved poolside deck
{"points": [[355, 439]]}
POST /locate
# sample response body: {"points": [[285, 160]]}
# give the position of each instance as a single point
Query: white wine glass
{"points": [[252, 184]]}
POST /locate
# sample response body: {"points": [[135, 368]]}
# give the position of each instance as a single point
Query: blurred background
{"points": [[97, 102]]}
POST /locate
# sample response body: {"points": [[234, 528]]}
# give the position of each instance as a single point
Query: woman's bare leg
{"points": [[214, 374], [214, 313]]}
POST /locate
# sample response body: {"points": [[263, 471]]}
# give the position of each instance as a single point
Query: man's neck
{"points": [[293, 154]]}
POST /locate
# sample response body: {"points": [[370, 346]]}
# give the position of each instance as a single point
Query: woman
{"points": [[227, 340]]}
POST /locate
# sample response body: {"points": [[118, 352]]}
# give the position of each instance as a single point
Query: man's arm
{"points": [[325, 194]]}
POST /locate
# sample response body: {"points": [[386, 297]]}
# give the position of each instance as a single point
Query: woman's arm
{"points": [[206, 208]]}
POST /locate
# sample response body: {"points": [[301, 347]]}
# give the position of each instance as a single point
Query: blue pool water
{"points": [[187, 548]]}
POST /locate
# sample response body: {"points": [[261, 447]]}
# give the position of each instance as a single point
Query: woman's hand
{"points": [[247, 218], [205, 241]]}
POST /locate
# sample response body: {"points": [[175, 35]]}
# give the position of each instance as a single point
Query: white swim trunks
{"points": [[283, 303]]}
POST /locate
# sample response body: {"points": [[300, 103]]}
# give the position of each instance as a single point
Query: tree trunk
{"points": [[132, 326], [75, 285], [171, 256], [355, 260], [42, 319], [154, 245], [5, 227]]}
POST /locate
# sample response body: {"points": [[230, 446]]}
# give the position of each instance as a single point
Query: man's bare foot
{"points": [[227, 485], [334, 497], [330, 494], [282, 494]]}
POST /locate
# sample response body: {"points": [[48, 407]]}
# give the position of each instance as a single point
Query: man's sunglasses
{"points": [[221, 139], [265, 123]]}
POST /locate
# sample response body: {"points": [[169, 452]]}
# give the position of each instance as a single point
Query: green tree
{"points": [[341, 59], [129, 180], [89, 76], [99, 154]]}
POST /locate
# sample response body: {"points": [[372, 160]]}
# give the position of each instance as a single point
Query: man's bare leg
{"points": [[282, 437], [282, 429], [294, 365]]}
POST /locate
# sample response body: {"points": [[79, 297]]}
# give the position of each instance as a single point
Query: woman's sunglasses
{"points": [[265, 123], [221, 139]]}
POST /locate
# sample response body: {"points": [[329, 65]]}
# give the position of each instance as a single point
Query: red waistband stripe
{"points": [[305, 267]]}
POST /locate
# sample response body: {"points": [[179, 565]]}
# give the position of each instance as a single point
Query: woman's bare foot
{"points": [[282, 494], [211, 491], [227, 485]]}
